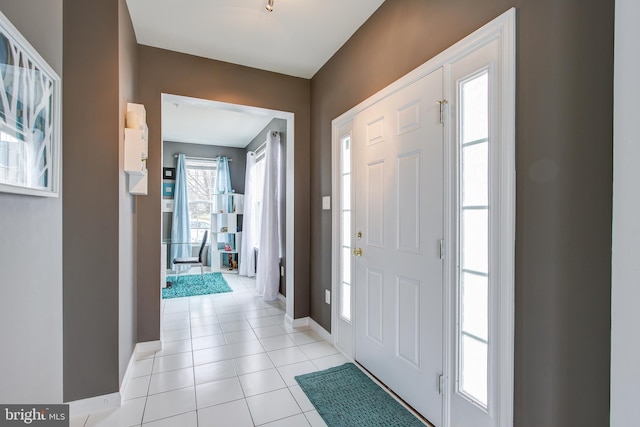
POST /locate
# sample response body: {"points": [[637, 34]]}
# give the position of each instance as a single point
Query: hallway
{"points": [[227, 360]]}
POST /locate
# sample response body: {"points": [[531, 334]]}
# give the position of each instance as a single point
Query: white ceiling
{"points": [[198, 121], [297, 39]]}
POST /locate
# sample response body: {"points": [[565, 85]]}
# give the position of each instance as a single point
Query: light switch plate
{"points": [[327, 296], [326, 203]]}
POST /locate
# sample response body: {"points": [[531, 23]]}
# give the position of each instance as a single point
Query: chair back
{"points": [[204, 241]]}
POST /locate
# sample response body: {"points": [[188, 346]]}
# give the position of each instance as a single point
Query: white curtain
{"points": [[268, 276], [248, 264]]}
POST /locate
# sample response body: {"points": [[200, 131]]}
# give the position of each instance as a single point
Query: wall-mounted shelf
{"points": [[136, 147]]}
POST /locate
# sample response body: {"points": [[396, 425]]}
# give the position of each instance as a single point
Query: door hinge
{"points": [[442, 249], [441, 384], [442, 103]]}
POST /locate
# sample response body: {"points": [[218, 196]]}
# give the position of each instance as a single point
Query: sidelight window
{"points": [[345, 212], [473, 213]]}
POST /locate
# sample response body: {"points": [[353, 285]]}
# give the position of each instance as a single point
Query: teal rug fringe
{"points": [[191, 285], [346, 397]]}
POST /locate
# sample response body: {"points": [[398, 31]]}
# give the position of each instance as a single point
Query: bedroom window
{"points": [[201, 180]]}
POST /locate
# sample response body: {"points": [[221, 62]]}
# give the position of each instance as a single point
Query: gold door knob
{"points": [[357, 252]]}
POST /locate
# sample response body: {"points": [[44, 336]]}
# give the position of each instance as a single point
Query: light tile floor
{"points": [[226, 360]]}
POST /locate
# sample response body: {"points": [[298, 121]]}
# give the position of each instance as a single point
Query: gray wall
{"points": [[236, 167], [92, 120], [625, 316], [127, 279], [31, 251], [279, 125], [563, 218], [161, 71]]}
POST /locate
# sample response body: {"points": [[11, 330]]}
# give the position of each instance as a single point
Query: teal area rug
{"points": [[191, 285], [346, 397]]}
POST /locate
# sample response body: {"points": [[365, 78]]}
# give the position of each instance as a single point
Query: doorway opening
{"points": [[205, 130]]}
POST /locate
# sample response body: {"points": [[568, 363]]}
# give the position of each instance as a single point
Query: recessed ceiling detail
{"points": [[297, 39]]}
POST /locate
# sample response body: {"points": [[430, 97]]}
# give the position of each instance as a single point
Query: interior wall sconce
{"points": [[269, 6]]}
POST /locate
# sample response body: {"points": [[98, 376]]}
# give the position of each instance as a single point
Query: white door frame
{"points": [[289, 164], [503, 28]]}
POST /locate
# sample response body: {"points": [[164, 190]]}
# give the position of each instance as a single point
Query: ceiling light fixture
{"points": [[269, 6]]}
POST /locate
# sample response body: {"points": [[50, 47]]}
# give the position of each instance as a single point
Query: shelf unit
{"points": [[226, 231], [136, 147]]}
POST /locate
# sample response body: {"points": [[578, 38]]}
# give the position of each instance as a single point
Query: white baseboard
{"points": [[296, 323], [309, 323], [93, 404], [113, 400], [127, 375], [141, 351], [148, 346], [315, 327]]}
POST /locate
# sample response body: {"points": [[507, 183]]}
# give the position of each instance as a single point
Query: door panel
{"points": [[408, 324], [375, 206], [398, 193], [375, 131], [408, 202], [374, 313], [409, 117]]}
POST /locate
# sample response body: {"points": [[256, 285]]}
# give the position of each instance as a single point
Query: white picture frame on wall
{"points": [[30, 118]]}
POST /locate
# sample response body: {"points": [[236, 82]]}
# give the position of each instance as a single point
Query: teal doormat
{"points": [[346, 397], [191, 285]]}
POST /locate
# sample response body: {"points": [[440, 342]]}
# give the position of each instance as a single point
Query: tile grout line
{"points": [[193, 366], [242, 308]]}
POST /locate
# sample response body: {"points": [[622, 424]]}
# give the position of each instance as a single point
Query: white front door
{"points": [[423, 325], [398, 193]]}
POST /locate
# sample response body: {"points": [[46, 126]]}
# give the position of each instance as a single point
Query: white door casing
{"points": [[500, 32]]}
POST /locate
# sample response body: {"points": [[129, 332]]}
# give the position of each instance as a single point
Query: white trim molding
{"points": [[315, 327], [309, 323], [148, 346], [296, 323], [93, 404], [141, 351]]}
